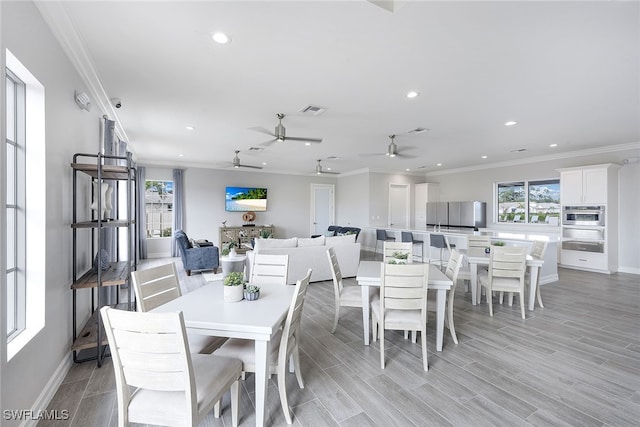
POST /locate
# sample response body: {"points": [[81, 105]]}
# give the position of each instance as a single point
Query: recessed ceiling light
{"points": [[439, 164], [190, 128], [407, 169], [221, 38], [484, 157], [553, 145], [511, 123], [307, 144], [328, 169], [180, 155], [264, 163], [412, 94]]}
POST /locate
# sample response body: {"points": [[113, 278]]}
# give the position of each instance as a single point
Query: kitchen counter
{"points": [[458, 237]]}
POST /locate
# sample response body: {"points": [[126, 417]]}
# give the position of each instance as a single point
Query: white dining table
{"points": [[477, 256], [369, 275], [206, 313]]}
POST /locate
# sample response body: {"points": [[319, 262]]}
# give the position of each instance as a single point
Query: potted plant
{"points": [[265, 234], [229, 249], [251, 292], [233, 286], [399, 257]]}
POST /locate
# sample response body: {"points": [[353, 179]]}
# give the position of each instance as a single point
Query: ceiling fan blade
{"points": [[268, 143], [329, 173], [405, 156], [313, 140], [262, 130], [249, 166], [373, 154]]}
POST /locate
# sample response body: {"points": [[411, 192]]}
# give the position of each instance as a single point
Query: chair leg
{"points": [[282, 389], [216, 409], [188, 272], [382, 346], [235, 402], [490, 301], [539, 296], [452, 328], [423, 340], [374, 328], [335, 319], [521, 293], [296, 362]]}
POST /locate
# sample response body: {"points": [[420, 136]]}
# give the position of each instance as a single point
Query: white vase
{"points": [[232, 252], [233, 293]]}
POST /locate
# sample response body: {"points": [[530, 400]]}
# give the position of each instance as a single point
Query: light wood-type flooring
{"points": [[576, 362]]}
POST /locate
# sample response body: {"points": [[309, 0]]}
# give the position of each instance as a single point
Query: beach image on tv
{"points": [[242, 199]]}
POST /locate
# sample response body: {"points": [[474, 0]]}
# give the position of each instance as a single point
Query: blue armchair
{"points": [[196, 258]]}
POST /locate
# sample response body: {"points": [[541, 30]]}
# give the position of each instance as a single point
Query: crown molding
{"points": [[545, 158], [57, 18]]}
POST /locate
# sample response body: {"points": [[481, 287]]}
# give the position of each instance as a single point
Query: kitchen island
{"points": [[458, 237]]}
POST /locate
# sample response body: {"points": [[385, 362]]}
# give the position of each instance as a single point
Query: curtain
{"points": [[141, 212], [178, 208]]}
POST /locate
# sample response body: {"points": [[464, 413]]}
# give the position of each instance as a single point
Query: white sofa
{"points": [[305, 253]]}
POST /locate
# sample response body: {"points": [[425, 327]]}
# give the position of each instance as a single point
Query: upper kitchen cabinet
{"points": [[587, 185], [425, 192]]}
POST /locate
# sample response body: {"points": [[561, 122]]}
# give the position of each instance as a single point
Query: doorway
{"points": [[399, 205], [322, 208]]}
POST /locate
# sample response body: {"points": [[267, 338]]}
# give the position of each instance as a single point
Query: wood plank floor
{"points": [[576, 362]]}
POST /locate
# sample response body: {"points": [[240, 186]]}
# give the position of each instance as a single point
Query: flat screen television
{"points": [[245, 199]]}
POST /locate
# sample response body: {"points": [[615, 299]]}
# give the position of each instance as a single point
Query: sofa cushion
{"points": [[314, 241], [340, 240], [275, 243]]}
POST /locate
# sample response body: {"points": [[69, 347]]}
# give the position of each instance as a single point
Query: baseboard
{"points": [[159, 255], [549, 279], [49, 390], [630, 270]]}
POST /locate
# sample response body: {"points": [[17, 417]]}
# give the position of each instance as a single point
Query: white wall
{"points": [[68, 130], [478, 185], [352, 200]]}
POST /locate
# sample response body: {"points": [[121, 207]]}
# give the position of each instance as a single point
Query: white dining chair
{"points": [[390, 248], [473, 243], [538, 250], [269, 269], [402, 304], [158, 381], [453, 268], [158, 285], [345, 296], [288, 338], [507, 265]]}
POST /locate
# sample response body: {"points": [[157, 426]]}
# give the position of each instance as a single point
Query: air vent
{"points": [[313, 109], [332, 158], [417, 131], [519, 150], [256, 148]]}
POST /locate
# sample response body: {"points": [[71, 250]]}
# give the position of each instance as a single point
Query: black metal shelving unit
{"points": [[100, 168]]}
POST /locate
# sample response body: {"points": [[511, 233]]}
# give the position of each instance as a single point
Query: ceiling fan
{"points": [[280, 134], [319, 170], [393, 150], [236, 163]]}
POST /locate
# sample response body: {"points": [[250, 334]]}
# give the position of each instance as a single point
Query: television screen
{"points": [[244, 199]]}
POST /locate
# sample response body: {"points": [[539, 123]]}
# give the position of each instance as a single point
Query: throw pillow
{"points": [[275, 243]]}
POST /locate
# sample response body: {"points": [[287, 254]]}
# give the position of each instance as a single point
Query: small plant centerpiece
{"points": [[496, 243], [251, 292], [399, 258], [229, 249], [233, 286]]}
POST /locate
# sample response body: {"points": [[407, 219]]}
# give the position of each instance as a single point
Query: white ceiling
{"points": [[567, 72]]}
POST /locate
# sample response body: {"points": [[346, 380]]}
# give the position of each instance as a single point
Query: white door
{"points": [[322, 208], [399, 205]]}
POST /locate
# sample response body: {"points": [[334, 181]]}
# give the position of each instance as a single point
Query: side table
{"points": [[232, 263]]}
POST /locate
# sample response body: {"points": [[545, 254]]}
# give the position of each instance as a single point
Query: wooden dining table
{"points": [[206, 313], [369, 275], [477, 256]]}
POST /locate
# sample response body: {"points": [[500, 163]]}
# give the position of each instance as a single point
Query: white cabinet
{"points": [[593, 248], [425, 192], [586, 185]]}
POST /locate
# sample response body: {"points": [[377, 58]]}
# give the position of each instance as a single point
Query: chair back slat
{"points": [[478, 241], [508, 261], [538, 249], [403, 287], [155, 286], [269, 269]]}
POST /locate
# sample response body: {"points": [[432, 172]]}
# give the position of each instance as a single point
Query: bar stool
{"points": [[407, 236], [439, 241], [382, 236]]}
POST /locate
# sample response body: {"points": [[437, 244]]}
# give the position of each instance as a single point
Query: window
{"points": [[533, 202], [26, 191], [15, 206], [158, 200]]}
